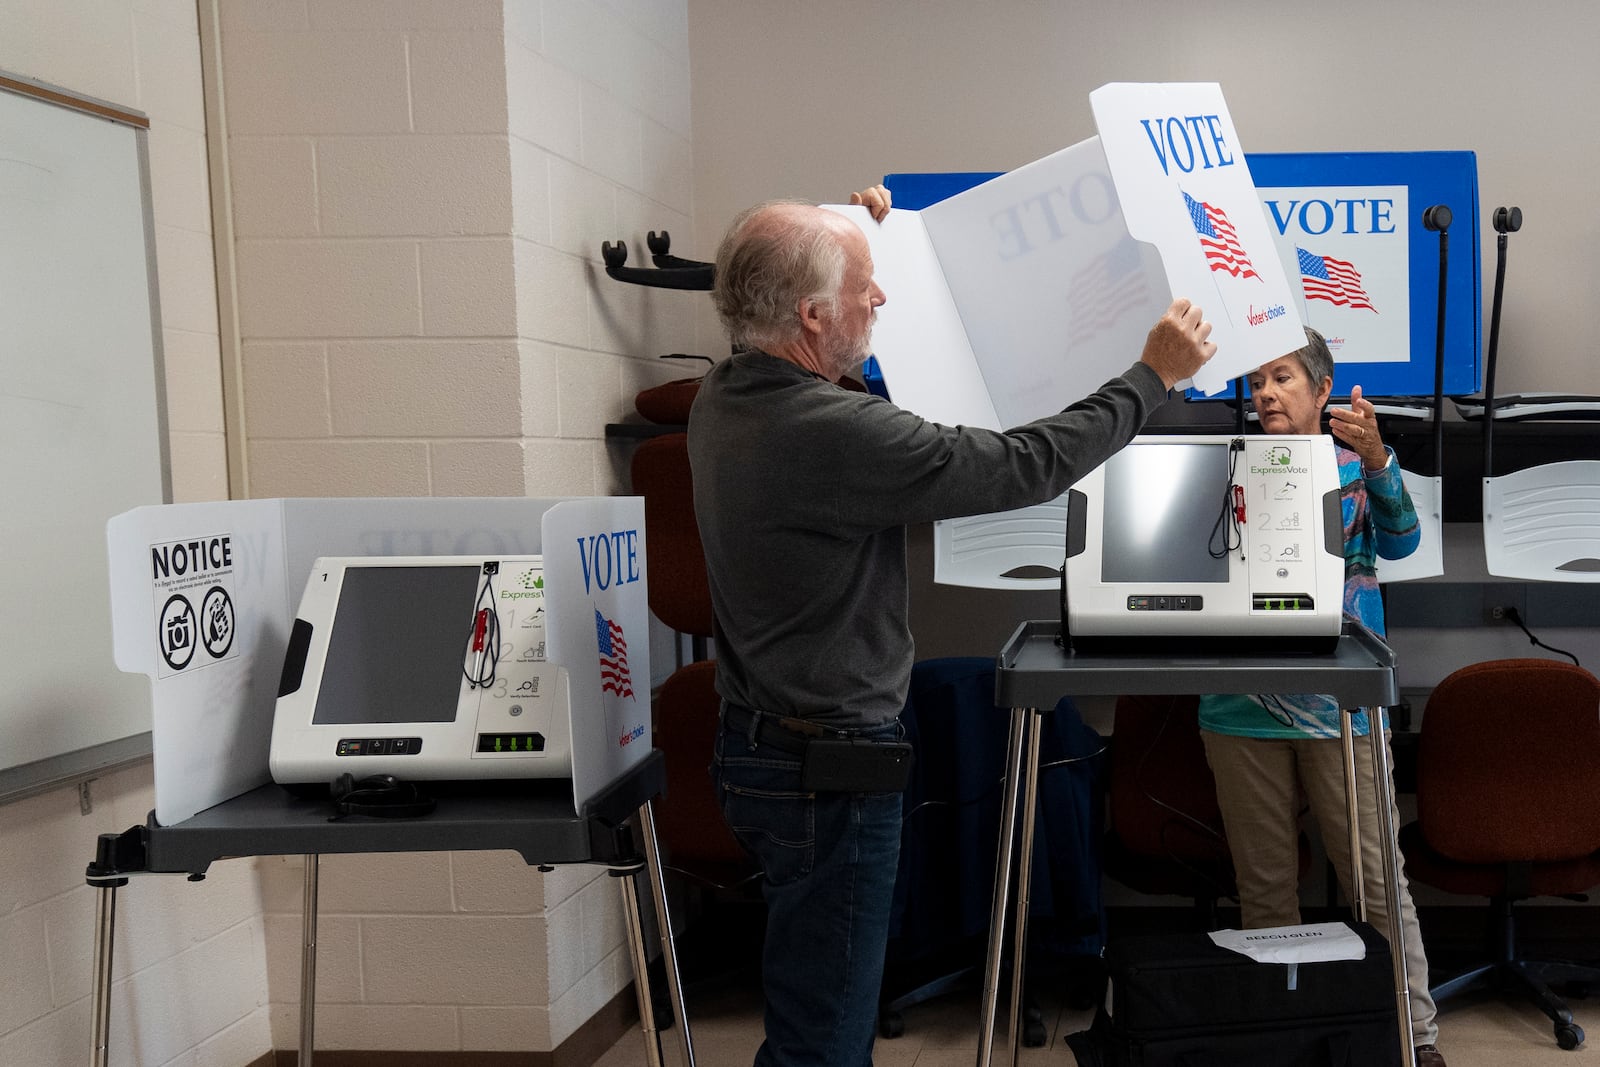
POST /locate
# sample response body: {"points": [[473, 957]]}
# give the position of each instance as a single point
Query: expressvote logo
{"points": [[1279, 459], [528, 585]]}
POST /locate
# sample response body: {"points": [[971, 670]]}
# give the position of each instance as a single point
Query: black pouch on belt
{"points": [[847, 765]]}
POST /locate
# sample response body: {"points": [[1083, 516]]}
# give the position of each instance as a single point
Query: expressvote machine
{"points": [[1206, 541], [422, 667]]}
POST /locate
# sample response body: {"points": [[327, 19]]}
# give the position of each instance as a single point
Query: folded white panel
{"points": [[1543, 523], [1428, 560], [1020, 549]]}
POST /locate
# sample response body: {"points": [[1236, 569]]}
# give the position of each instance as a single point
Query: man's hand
{"points": [[1177, 345], [875, 200]]}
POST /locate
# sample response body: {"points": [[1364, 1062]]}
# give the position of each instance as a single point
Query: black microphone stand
{"points": [[1438, 218], [1507, 220]]}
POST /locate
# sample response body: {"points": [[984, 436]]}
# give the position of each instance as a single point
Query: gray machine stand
{"points": [[1035, 672], [268, 821]]}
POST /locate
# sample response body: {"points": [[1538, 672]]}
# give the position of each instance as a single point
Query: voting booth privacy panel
{"points": [[1054, 273], [204, 598]]}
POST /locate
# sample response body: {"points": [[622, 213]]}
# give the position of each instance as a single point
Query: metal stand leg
{"points": [[1384, 794], [1030, 797], [669, 951], [105, 929], [1002, 886], [641, 969], [308, 964], [1352, 817]]}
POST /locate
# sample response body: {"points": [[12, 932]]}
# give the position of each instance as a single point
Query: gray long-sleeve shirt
{"points": [[802, 492]]}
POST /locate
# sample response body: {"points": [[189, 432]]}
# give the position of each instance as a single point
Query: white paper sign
{"points": [[1349, 248], [1180, 170], [1310, 943]]}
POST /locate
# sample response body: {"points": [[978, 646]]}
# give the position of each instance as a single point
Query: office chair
{"points": [[698, 841], [1508, 807], [1164, 830], [679, 594]]}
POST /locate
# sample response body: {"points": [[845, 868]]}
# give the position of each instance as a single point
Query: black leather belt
{"points": [[782, 733]]}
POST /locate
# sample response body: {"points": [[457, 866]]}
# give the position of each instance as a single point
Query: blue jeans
{"points": [[829, 861]]}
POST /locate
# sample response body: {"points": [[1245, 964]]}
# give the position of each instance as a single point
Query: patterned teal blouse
{"points": [[1379, 521]]}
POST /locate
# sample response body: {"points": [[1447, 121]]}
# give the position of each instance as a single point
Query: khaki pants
{"points": [[1259, 785]]}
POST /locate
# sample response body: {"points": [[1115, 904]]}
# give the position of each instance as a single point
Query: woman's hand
{"points": [[1357, 427]]}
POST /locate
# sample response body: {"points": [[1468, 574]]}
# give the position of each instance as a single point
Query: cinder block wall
{"points": [[420, 194], [420, 190]]}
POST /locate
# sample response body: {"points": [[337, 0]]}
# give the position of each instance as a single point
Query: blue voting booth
{"points": [[1349, 227]]}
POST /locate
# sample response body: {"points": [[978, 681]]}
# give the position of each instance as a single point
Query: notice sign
{"points": [[1181, 175], [191, 583]]}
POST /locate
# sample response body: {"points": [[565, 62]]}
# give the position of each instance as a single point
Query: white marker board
{"points": [[82, 425]]}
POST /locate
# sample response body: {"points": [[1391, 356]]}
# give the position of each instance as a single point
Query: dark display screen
{"points": [[398, 645], [1161, 504]]}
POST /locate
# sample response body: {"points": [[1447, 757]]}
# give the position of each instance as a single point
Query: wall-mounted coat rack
{"points": [[670, 272]]}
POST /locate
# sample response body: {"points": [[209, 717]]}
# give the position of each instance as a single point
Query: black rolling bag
{"points": [[1180, 1001]]}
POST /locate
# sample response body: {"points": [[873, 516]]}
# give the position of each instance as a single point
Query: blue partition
{"points": [[1335, 183]]}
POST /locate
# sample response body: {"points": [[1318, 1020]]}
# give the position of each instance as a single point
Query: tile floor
{"points": [[726, 1025]]}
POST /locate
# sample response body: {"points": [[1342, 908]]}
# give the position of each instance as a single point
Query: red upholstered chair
{"points": [[679, 594], [1164, 832], [1508, 807], [669, 402], [1164, 829], [697, 841]]}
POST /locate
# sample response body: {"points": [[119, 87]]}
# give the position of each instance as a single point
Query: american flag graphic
{"points": [[614, 676], [1333, 280], [1218, 239], [1108, 285]]}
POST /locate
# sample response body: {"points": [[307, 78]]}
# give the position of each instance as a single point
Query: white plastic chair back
{"points": [[978, 551], [1543, 523], [1427, 561]]}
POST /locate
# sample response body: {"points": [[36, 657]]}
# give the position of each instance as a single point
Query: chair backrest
{"points": [[1427, 496], [697, 839], [679, 594], [1162, 798], [1543, 523], [1508, 763]]}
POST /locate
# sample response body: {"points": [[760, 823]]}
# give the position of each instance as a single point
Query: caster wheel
{"points": [[1569, 1037], [1034, 1034], [891, 1024]]}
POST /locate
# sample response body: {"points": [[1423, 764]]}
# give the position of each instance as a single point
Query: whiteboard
{"points": [[82, 425]]}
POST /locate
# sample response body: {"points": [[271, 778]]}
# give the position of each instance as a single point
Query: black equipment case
{"points": [[1180, 1001]]}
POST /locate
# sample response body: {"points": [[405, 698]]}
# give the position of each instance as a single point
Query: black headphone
{"points": [[382, 795]]}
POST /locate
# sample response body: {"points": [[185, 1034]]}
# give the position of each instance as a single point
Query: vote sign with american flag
{"points": [[1348, 247]]}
